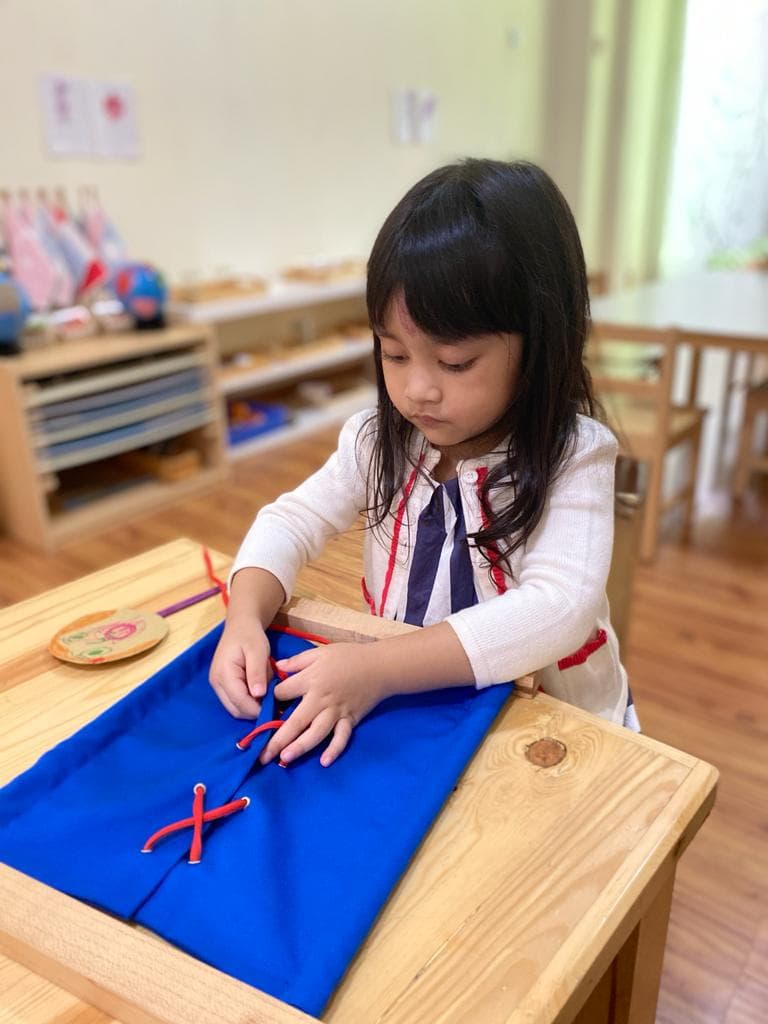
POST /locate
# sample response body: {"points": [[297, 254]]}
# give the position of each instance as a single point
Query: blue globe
{"points": [[14, 310], [142, 291]]}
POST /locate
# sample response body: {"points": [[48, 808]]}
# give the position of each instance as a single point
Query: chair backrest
{"points": [[597, 282], [636, 364], [628, 513]]}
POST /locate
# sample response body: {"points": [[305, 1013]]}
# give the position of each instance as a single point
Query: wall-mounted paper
{"points": [[66, 117], [413, 116], [89, 118], [114, 121]]}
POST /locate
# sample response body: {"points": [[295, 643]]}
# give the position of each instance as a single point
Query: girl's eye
{"points": [[392, 358], [458, 367]]}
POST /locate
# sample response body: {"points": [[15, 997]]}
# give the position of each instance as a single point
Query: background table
{"points": [[725, 309], [722, 308], [541, 895]]}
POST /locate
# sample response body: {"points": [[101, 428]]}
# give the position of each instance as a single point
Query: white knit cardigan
{"points": [[549, 612]]}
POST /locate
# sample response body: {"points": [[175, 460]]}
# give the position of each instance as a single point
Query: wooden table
{"points": [[540, 895], [725, 309]]}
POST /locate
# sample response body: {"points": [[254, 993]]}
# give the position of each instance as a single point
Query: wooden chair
{"points": [[597, 282], [748, 460], [754, 371], [636, 392], [628, 518]]}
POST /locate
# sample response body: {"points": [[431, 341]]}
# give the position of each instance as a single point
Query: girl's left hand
{"points": [[338, 687]]}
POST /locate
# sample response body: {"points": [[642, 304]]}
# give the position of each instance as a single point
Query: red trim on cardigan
{"points": [[580, 656], [497, 573], [367, 596], [396, 535]]}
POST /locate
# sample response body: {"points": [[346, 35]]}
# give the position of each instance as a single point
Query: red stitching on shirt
{"points": [[497, 573], [580, 656], [396, 535]]}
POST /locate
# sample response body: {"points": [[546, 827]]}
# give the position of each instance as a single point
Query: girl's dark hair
{"points": [[488, 247]]}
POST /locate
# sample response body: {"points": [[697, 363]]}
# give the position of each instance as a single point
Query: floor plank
{"points": [[696, 654]]}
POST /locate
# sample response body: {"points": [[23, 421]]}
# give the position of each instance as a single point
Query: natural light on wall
{"points": [[718, 200]]}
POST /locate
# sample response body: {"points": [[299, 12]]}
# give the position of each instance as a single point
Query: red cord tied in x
{"points": [[199, 817]]}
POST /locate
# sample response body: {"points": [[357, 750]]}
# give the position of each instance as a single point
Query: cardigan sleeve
{"points": [[294, 529], [551, 607]]}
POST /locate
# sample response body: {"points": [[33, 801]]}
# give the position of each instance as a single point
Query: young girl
{"points": [[486, 483]]}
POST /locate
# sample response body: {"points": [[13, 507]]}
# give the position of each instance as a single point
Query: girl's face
{"points": [[452, 391]]}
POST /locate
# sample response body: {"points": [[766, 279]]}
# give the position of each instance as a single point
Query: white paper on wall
{"points": [[413, 116], [66, 115], [114, 120], [426, 109]]}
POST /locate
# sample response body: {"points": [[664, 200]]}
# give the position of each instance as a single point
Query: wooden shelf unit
{"points": [[68, 413], [281, 296], [291, 333]]}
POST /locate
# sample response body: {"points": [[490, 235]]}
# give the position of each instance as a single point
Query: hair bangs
{"points": [[452, 273]]}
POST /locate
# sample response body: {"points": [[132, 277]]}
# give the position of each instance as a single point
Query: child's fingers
{"points": [[309, 739], [256, 669], [338, 744], [298, 661], [223, 696], [295, 725], [292, 727], [235, 697], [290, 688]]}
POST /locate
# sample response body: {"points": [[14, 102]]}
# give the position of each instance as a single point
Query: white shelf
{"points": [[281, 295], [284, 370], [307, 421]]}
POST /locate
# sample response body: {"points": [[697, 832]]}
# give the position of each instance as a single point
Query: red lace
{"points": [[199, 816]]}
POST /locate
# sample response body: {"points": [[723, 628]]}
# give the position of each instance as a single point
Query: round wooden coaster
{"points": [[108, 636]]}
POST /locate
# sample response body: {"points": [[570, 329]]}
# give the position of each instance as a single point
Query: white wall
{"points": [[265, 123]]}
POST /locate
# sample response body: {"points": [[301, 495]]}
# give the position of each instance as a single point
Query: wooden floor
{"points": [[698, 661]]}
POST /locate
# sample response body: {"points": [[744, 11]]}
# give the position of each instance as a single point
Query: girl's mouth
{"points": [[427, 421]]}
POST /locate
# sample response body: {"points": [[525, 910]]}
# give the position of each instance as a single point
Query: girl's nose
{"points": [[421, 387]]}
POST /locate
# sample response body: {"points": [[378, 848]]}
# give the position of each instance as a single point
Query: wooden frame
{"points": [[565, 869]]}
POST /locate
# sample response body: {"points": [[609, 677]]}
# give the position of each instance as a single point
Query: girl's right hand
{"points": [[240, 667]]}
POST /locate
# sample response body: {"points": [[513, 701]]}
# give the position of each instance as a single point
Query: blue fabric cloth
{"points": [[287, 888]]}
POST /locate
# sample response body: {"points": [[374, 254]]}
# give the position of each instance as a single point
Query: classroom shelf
{"points": [[307, 421], [71, 428], [281, 296], [236, 380], [80, 384], [292, 333], [135, 436], [123, 506], [79, 406]]}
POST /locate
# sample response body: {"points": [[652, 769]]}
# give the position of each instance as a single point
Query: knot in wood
{"points": [[546, 752]]}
